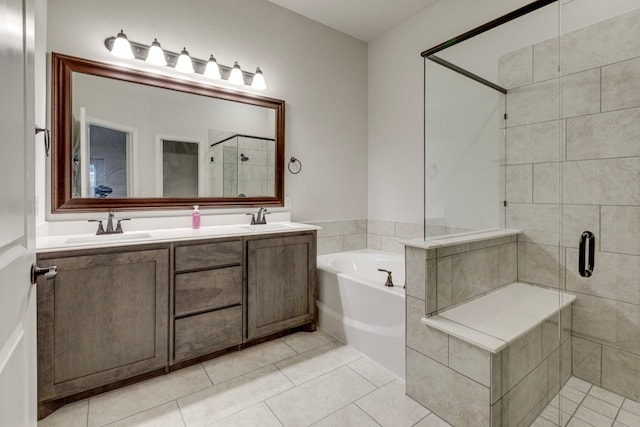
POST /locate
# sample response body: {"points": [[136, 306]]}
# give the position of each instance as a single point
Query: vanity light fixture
{"points": [[121, 47], [236, 75], [184, 64], [212, 70], [258, 80], [156, 55]]}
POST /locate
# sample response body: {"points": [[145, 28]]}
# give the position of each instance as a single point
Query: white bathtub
{"points": [[356, 307]]}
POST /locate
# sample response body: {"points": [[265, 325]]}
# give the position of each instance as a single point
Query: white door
{"points": [[17, 220]]}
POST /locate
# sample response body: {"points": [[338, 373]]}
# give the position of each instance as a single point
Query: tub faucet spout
{"points": [[389, 282]]}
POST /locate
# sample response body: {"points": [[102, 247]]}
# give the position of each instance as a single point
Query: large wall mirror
{"points": [[127, 139]]}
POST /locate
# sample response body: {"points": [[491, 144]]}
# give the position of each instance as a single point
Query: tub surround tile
{"points": [[452, 396], [306, 366], [607, 135], [581, 93], [329, 245], [620, 83], [381, 227], [407, 230], [575, 220], [515, 69], [546, 183], [535, 143], [538, 102], [342, 235], [610, 181], [259, 414], [620, 230], [116, 405], [519, 183], [428, 341], [389, 406], [354, 242], [546, 60], [416, 271], [621, 372], [350, 415], [223, 400], [391, 244], [319, 398], [242, 362], [615, 277]]}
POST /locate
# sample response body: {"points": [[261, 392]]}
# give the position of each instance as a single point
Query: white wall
{"points": [[396, 109], [319, 72]]}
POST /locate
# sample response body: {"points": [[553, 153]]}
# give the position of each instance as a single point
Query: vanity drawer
{"points": [[208, 255], [207, 332], [208, 290]]}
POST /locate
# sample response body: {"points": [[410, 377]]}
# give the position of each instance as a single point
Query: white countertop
{"points": [[55, 243]]}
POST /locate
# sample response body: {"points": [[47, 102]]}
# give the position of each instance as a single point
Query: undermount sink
{"points": [[108, 238], [268, 227]]}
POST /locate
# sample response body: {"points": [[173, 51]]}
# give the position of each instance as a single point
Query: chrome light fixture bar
{"points": [[141, 52]]}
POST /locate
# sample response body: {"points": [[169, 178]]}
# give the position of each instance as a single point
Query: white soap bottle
{"points": [[195, 218]]}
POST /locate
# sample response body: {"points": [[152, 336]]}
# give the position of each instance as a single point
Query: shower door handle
{"points": [[586, 256]]}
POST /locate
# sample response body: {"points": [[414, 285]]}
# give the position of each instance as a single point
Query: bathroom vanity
{"points": [[115, 314]]}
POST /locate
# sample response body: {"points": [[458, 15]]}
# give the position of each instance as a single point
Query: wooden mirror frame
{"points": [[61, 118]]}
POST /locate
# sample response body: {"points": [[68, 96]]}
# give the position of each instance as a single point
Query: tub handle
{"points": [[389, 282], [585, 266]]}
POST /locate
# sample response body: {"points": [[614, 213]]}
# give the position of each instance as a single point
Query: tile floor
{"points": [[302, 379], [305, 379]]}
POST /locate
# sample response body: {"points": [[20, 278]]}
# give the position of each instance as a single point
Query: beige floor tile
{"points": [[306, 366], [631, 406], [575, 422], [319, 397], [607, 396], [572, 394], [628, 418], [122, 403], [242, 362], [556, 416], [600, 406], [259, 415], [390, 406], [591, 417], [348, 416], [432, 420], [223, 400], [372, 372], [305, 341], [566, 405], [71, 415], [579, 384], [167, 415]]}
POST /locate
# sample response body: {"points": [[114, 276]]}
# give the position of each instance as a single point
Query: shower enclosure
{"points": [[532, 122]]}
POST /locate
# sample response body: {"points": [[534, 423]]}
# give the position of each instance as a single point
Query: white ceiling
{"points": [[362, 19]]}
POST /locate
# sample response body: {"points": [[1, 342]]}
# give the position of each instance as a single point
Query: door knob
{"points": [[47, 272]]}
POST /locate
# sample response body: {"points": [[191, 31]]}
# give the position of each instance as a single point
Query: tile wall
{"points": [[340, 236], [581, 128]]}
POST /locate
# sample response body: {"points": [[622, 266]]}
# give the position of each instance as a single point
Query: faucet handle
{"points": [[253, 218], [264, 218], [119, 226], [389, 282], [100, 227]]}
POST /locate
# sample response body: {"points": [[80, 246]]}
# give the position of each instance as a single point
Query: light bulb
{"points": [[156, 54], [258, 80], [212, 70], [235, 77], [121, 46], [184, 64]]}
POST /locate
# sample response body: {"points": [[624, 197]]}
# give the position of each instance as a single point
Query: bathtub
{"points": [[356, 307]]}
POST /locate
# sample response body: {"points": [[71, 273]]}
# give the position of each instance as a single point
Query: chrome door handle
{"points": [[586, 256], [47, 272]]}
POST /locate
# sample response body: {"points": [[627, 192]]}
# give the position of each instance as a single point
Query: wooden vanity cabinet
{"points": [[208, 308], [281, 283], [102, 319]]}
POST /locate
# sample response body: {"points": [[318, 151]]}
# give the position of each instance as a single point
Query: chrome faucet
{"points": [[260, 217], [110, 229], [389, 282]]}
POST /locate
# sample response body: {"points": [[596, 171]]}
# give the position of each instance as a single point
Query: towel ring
{"points": [[296, 169]]}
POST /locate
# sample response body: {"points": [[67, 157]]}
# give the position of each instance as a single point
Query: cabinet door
{"points": [[102, 319], [281, 288]]}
